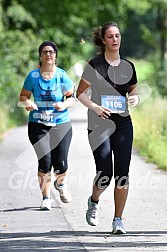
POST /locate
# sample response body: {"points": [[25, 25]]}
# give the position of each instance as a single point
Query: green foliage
{"points": [[144, 69], [22, 21], [158, 76], [151, 133], [143, 43], [149, 119], [24, 24]]}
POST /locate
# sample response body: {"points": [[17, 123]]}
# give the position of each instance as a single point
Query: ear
{"points": [[103, 41]]}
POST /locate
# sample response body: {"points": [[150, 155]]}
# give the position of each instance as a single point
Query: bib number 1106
{"points": [[117, 104]]}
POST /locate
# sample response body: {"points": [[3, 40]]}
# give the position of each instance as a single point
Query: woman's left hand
{"points": [[133, 100], [59, 106]]}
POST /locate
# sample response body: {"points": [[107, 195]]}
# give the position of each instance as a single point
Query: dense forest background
{"points": [[24, 24]]}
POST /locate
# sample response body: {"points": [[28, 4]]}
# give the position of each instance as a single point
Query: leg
{"points": [[39, 138], [44, 183], [42, 148], [45, 186], [120, 197], [96, 192], [60, 178], [60, 141], [122, 146], [103, 159], [104, 167]]}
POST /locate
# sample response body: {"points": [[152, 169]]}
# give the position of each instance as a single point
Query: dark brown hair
{"points": [[99, 32]]}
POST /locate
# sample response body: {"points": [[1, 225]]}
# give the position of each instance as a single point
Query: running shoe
{"points": [[92, 213], [46, 204], [117, 226], [65, 196]]}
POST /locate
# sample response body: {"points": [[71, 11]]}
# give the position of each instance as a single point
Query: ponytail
{"points": [[97, 38]]}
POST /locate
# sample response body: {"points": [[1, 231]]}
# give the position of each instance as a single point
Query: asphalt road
{"points": [[24, 228]]}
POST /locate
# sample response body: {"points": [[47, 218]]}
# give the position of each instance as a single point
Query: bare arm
{"points": [[70, 101], [85, 100], [133, 97], [83, 96], [25, 101]]}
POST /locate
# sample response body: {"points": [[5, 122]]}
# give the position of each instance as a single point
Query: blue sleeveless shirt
{"points": [[47, 92]]}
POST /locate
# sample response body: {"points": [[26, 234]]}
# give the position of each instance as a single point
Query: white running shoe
{"points": [[117, 226], [65, 196], [92, 213], [46, 204]]}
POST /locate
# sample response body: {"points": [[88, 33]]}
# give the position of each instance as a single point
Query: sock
{"points": [[60, 186], [117, 218], [45, 197], [94, 201]]}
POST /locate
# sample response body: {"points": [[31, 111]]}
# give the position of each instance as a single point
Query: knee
{"points": [[122, 181], [60, 168], [102, 181], [44, 164], [44, 169]]}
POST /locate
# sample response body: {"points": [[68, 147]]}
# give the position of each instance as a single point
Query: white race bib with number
{"points": [[117, 104], [46, 117]]}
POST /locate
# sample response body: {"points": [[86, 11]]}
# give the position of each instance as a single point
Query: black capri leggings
{"points": [[51, 145], [119, 145]]}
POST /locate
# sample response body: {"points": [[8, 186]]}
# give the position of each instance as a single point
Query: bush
{"points": [[150, 127]]}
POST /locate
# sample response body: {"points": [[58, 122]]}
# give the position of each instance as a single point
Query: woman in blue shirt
{"points": [[49, 127]]}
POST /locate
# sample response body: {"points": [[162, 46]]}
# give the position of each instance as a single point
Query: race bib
{"points": [[46, 117], [117, 104]]}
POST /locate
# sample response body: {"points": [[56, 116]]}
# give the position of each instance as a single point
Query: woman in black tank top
{"points": [[112, 81]]}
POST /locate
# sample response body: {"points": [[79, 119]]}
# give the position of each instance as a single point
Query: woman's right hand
{"points": [[31, 106], [102, 111], [25, 100]]}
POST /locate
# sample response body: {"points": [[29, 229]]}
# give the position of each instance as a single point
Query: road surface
{"points": [[24, 228]]}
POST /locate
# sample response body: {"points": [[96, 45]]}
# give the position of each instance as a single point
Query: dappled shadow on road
{"points": [[57, 240], [147, 233], [25, 209], [79, 240]]}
